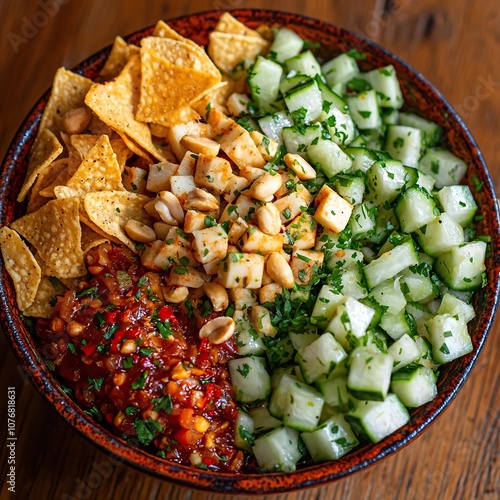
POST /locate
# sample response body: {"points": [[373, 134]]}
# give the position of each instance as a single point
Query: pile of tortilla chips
{"points": [[77, 197]]}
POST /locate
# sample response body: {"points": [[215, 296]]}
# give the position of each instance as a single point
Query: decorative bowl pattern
{"points": [[420, 96]]}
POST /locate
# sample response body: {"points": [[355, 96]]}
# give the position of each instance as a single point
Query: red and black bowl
{"points": [[421, 97]]}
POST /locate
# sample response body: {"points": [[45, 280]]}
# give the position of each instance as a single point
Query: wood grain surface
{"points": [[456, 45]]}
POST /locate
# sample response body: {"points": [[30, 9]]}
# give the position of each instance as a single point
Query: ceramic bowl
{"points": [[420, 96]]}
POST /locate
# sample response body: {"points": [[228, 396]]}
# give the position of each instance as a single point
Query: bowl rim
{"points": [[247, 483]]}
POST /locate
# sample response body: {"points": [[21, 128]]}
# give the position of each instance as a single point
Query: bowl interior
{"points": [[421, 97]]}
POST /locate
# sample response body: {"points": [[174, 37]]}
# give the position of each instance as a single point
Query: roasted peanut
{"points": [[175, 294], [138, 231], [279, 270], [77, 120], [202, 145], [128, 347], [268, 219], [217, 295], [300, 166], [218, 330], [169, 208], [199, 199], [74, 328], [265, 186]]}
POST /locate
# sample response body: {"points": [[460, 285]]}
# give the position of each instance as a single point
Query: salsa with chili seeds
{"points": [[138, 364]]}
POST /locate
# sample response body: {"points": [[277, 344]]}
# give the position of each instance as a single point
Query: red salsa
{"points": [[137, 364]]}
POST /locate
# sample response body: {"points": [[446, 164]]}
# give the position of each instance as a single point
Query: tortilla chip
{"points": [[229, 24], [68, 92], [45, 299], [110, 210], [163, 30], [91, 239], [180, 115], [118, 57], [54, 230], [132, 146], [21, 266], [46, 149], [83, 143], [99, 171], [159, 97], [115, 102], [158, 130], [45, 179], [227, 50]]}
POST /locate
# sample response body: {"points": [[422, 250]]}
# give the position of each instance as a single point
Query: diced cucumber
{"points": [[272, 125], [454, 306], [280, 395], [247, 338], [331, 100], [303, 407], [385, 180], [303, 339], [378, 309], [249, 379], [389, 295], [378, 419], [396, 325], [440, 235], [340, 69], [417, 284], [304, 64], [326, 303], [332, 440], [461, 268], [404, 144], [350, 322], [390, 116], [369, 374], [362, 158], [286, 44], [243, 431], [415, 386], [264, 82], [292, 82], [318, 359], [415, 208], [263, 421], [297, 140], [444, 166], [431, 131], [425, 348], [304, 102], [375, 140], [361, 221], [278, 450], [418, 178], [390, 263], [449, 337], [352, 283], [404, 351], [340, 127], [341, 259], [350, 187], [385, 82], [364, 110], [334, 390], [328, 155], [458, 203]]}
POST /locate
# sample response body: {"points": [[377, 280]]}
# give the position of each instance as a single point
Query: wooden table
{"points": [[456, 45]]}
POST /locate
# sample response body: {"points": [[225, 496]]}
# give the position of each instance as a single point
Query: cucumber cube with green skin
{"points": [[264, 82], [386, 179], [417, 285], [318, 359], [304, 103], [263, 421], [280, 395], [461, 268], [304, 63], [272, 125], [303, 407], [444, 166], [396, 325], [244, 431], [377, 419], [389, 295], [286, 44], [453, 305], [431, 131], [415, 208], [416, 177], [247, 339], [365, 110], [340, 126], [303, 339], [332, 440], [334, 390], [369, 374], [328, 155], [440, 235], [404, 144], [361, 221], [298, 140], [415, 386], [250, 379], [362, 158], [340, 69], [404, 351], [449, 337], [278, 450], [350, 187], [385, 82], [342, 259], [458, 203], [327, 301]]}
